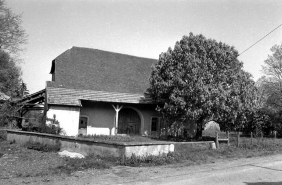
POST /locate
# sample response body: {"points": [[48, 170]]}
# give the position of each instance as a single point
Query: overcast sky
{"points": [[142, 28]]}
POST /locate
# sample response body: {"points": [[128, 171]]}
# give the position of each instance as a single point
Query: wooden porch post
{"points": [[117, 109]]}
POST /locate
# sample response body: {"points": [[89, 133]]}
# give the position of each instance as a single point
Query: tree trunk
{"points": [[199, 132]]}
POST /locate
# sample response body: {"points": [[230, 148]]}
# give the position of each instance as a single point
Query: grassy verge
{"points": [[89, 162], [38, 160], [149, 160], [190, 156]]}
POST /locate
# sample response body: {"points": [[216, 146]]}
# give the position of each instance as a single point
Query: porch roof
{"points": [[66, 96], [37, 97]]}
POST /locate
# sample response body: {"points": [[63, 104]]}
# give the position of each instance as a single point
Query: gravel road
{"points": [[251, 171]]}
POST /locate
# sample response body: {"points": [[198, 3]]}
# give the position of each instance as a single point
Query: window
{"points": [[83, 122], [154, 124]]}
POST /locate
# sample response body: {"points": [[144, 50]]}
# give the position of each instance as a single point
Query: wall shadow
{"points": [[263, 183]]}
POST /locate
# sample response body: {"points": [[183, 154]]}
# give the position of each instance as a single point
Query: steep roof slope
{"points": [[93, 69]]}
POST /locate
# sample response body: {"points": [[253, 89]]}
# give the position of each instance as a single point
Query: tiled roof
{"points": [[85, 68], [65, 96], [33, 98]]}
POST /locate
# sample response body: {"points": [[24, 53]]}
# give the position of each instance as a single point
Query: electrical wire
{"points": [[260, 40]]}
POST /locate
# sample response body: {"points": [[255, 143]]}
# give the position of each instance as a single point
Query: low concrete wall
{"points": [[87, 146], [194, 146], [149, 149]]}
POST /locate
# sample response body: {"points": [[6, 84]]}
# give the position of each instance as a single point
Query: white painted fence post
{"points": [[117, 109]]}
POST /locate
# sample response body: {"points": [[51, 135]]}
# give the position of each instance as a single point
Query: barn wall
{"points": [[67, 116], [101, 117]]}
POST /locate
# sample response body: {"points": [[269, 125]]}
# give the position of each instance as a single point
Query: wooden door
{"points": [[129, 122]]}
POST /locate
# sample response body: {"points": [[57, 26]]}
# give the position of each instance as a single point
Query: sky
{"points": [[144, 28]]}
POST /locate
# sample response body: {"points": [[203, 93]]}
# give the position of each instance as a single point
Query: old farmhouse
{"points": [[100, 92]]}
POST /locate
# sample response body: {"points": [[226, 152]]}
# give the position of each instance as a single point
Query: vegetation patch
{"points": [[89, 162], [266, 144], [37, 159], [190, 155], [18, 161], [43, 147], [149, 160], [3, 135]]}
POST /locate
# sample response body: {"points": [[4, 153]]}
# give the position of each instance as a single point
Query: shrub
{"points": [[53, 127]]}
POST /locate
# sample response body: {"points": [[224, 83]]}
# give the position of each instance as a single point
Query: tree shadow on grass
{"points": [[263, 183]]}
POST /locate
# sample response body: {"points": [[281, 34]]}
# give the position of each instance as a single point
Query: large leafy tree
{"points": [[270, 89], [201, 79], [12, 38]]}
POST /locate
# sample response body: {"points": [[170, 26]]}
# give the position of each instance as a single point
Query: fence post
{"points": [[251, 137], [274, 136], [238, 139], [216, 140]]}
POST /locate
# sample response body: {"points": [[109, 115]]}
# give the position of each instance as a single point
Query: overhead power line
{"points": [[260, 40]]}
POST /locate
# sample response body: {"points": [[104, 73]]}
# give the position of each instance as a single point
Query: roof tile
{"points": [[66, 96]]}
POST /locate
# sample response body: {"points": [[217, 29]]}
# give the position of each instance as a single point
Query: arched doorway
{"points": [[129, 122]]}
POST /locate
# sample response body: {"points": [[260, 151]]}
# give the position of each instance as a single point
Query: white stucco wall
{"points": [[68, 118]]}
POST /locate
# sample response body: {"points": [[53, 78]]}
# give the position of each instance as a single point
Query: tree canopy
{"points": [[12, 38], [271, 83], [10, 75], [270, 90], [12, 35], [202, 79]]}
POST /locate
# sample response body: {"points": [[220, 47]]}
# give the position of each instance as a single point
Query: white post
{"points": [[117, 109]]}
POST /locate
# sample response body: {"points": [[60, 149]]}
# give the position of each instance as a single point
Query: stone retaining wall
{"points": [[87, 146]]}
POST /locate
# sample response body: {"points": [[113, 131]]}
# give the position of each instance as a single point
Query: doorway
{"points": [[82, 127], [129, 122]]}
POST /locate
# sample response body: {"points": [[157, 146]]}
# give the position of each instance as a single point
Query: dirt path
{"points": [[172, 174]]}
